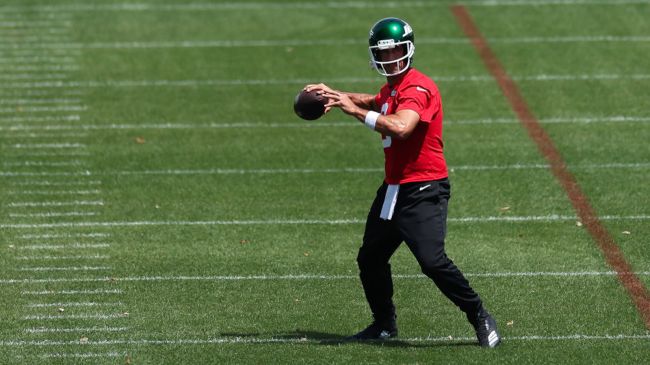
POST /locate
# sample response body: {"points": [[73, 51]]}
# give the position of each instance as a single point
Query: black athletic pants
{"points": [[419, 219]]}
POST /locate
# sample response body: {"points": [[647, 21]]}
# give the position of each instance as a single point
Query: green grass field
{"points": [[160, 203]]}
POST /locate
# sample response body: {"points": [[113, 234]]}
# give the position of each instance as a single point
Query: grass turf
{"points": [[213, 286]]}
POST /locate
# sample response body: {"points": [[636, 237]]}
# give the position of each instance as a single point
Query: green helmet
{"points": [[390, 33]]}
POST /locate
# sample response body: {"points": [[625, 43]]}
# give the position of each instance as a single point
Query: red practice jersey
{"points": [[419, 157]]}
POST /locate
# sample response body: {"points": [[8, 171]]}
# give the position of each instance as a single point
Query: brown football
{"points": [[309, 105]]}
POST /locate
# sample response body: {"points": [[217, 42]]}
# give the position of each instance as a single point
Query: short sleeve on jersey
{"points": [[418, 99]]}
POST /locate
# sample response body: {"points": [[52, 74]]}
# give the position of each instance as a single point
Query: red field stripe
{"points": [[584, 210]]}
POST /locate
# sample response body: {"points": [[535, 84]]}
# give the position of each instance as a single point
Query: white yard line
{"points": [[55, 204], [39, 67], [64, 268], [52, 52], [631, 166], [486, 219], [68, 246], [54, 192], [205, 6], [39, 92], [48, 154], [271, 340], [37, 101], [56, 183], [72, 292], [29, 37], [529, 3], [23, 14], [46, 119], [64, 235], [30, 24], [73, 304], [45, 135], [558, 120], [312, 42], [16, 34], [307, 277], [184, 125], [44, 109], [248, 171], [274, 82], [41, 174], [37, 60], [65, 317], [51, 214], [82, 355], [289, 124], [150, 6], [34, 76], [48, 145], [42, 164], [369, 170], [75, 329], [53, 258], [572, 39], [210, 44], [181, 83]]}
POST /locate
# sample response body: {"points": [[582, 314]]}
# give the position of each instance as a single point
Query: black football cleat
{"points": [[486, 329], [376, 331]]}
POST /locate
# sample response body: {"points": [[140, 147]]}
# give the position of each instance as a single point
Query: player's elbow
{"points": [[401, 128], [401, 131], [402, 134]]}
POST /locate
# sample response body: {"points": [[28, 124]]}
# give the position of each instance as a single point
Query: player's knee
{"points": [[364, 259], [435, 265], [369, 261]]}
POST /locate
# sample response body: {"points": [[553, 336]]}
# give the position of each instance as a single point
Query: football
{"points": [[309, 105]]}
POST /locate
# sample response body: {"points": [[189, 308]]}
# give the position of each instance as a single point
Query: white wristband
{"points": [[371, 119]]}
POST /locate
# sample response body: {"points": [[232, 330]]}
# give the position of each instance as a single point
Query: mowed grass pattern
{"points": [[161, 203]]}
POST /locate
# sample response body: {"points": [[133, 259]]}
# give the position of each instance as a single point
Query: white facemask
{"points": [[383, 66]]}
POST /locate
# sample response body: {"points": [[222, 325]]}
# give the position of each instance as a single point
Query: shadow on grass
{"points": [[331, 339]]}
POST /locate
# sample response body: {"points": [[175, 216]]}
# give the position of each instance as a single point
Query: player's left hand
{"points": [[340, 100], [321, 89]]}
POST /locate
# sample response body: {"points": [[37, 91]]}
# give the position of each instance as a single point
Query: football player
{"points": [[411, 204]]}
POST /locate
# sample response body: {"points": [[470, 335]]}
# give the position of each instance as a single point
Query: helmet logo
{"points": [[407, 30]]}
